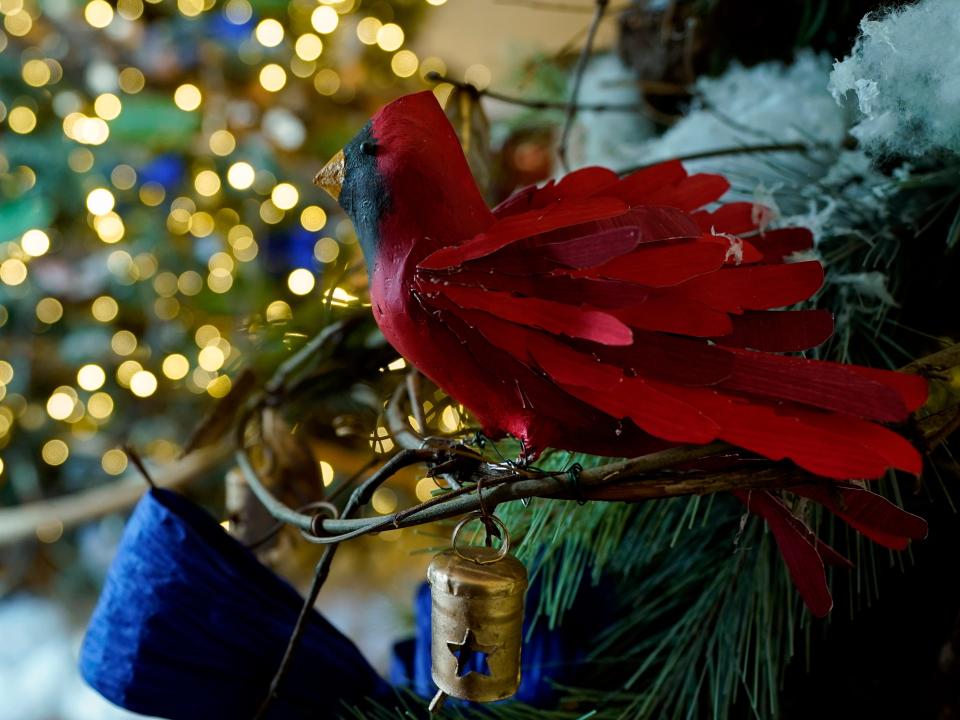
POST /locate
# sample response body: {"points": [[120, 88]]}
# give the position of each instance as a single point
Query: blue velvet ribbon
{"points": [[190, 626]]}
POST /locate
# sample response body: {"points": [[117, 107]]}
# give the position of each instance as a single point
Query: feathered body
{"points": [[610, 316]]}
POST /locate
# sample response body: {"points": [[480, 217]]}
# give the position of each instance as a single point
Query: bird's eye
{"points": [[368, 148]]}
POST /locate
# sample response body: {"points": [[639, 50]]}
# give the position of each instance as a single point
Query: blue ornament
{"points": [[230, 33], [190, 626], [167, 170], [289, 248]]}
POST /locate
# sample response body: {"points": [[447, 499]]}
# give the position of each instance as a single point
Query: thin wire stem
{"points": [[725, 152], [600, 10], [535, 104]]}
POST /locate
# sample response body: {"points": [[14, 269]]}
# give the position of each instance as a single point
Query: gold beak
{"points": [[330, 177]]}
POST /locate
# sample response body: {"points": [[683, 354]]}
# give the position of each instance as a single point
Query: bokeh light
{"points": [[269, 33], [187, 97], [301, 281], [35, 242], [324, 19]]}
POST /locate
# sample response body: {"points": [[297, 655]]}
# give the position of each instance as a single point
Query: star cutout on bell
{"points": [[466, 650]]}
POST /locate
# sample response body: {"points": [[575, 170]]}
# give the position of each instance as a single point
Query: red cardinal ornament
{"points": [[618, 317]]}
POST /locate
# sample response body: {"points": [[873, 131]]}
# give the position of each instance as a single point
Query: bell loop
{"points": [[504, 536]]}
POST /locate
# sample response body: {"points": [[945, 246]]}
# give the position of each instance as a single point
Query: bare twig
{"points": [[724, 152], [139, 465], [401, 432], [535, 104], [21, 522], [601, 9], [416, 406], [548, 6]]}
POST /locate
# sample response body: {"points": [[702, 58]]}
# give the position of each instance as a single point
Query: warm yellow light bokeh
{"points": [[55, 452], [100, 405], [211, 358], [222, 142], [301, 281], [100, 201], [219, 387], [326, 473], [241, 175], [308, 47], [269, 33], [114, 461], [99, 13], [22, 120], [35, 242], [367, 30], [207, 183], [384, 501], [324, 19], [285, 196], [13, 271], [187, 97], [60, 404], [326, 81], [313, 218], [107, 106], [132, 80], [123, 342], [49, 310], [176, 366], [390, 37], [104, 308], [91, 377], [326, 250], [278, 311], [404, 63], [273, 77], [36, 73], [143, 383]]}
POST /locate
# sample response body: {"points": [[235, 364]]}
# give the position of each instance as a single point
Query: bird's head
{"points": [[403, 180]]}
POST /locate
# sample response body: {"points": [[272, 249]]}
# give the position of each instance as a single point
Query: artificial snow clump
{"points": [[904, 74], [768, 104], [608, 138]]}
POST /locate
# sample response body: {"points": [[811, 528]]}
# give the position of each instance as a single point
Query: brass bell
{"points": [[477, 620]]}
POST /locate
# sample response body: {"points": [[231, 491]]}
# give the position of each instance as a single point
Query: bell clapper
{"points": [[437, 703]]}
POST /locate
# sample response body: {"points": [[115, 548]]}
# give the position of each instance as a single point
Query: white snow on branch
{"points": [[904, 74]]}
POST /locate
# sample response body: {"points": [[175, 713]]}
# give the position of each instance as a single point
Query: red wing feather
{"points": [[638, 187], [554, 317], [777, 435], [677, 315], [599, 294], [663, 264], [912, 389], [524, 225], [587, 182], [779, 330], [691, 193], [870, 514], [738, 218], [779, 244], [827, 385], [798, 545], [756, 287]]}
